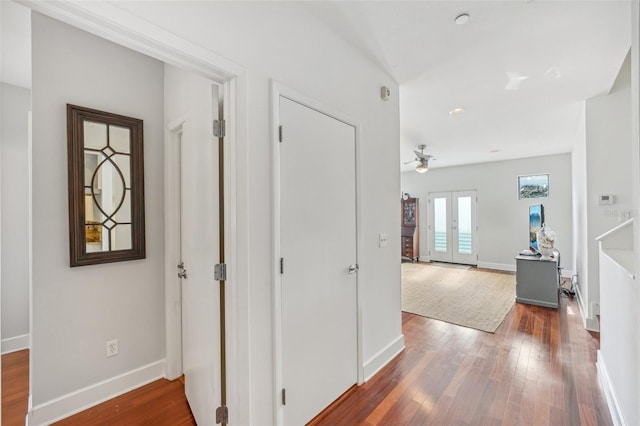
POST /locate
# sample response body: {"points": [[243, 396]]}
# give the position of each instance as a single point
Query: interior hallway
{"points": [[538, 368]]}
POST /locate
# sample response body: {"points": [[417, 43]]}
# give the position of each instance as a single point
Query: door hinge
{"points": [[280, 133], [220, 272], [222, 414], [182, 272], [284, 396], [219, 128], [282, 265]]}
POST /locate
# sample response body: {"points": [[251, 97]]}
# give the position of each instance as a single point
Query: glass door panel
{"points": [[465, 237], [440, 224]]}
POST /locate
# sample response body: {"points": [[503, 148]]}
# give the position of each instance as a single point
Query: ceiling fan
{"points": [[422, 159]]}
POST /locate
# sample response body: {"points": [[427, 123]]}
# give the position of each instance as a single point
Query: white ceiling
{"points": [[520, 69]]}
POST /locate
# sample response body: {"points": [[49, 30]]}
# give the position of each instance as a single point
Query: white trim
{"points": [[277, 90], [383, 357], [497, 266], [612, 402], [112, 23], [14, 344], [77, 401], [589, 323], [119, 26]]}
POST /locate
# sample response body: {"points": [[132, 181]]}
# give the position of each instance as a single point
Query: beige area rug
{"points": [[475, 299]]}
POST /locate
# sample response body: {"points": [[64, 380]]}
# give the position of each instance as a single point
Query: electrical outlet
{"points": [[112, 347], [382, 240]]}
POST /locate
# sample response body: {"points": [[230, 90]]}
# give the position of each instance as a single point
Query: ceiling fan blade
{"points": [[421, 154], [409, 162]]}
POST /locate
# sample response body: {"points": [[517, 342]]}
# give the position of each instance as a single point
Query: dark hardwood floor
{"points": [[15, 387], [160, 403], [537, 369]]}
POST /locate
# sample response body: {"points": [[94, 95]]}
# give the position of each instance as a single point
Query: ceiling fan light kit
{"points": [[422, 159], [422, 167]]}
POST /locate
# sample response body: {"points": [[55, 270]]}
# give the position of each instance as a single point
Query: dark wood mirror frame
{"points": [[78, 226]]}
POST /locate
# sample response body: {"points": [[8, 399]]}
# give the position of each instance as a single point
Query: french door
{"points": [[453, 227]]}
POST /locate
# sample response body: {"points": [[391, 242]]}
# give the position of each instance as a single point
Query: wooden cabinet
{"points": [[409, 235]]}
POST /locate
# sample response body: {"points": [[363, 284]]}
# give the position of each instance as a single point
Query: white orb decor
{"points": [[546, 241]]}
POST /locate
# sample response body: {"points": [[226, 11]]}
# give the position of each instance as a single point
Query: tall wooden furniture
{"points": [[409, 243]]}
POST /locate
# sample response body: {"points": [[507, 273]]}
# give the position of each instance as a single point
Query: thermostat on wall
{"points": [[605, 199]]}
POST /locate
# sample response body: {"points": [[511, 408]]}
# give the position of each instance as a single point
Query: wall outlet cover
{"points": [[112, 347]]}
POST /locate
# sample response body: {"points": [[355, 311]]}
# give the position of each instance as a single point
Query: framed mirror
{"points": [[106, 187]]}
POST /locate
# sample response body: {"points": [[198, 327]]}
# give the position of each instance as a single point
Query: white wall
{"points": [[282, 41], [607, 151], [76, 310], [618, 365], [16, 104], [503, 219]]}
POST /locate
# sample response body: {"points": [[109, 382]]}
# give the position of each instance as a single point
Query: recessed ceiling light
{"points": [[456, 111], [493, 151], [462, 19]]}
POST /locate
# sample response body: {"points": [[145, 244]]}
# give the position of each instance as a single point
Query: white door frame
{"points": [[119, 26], [277, 90]]}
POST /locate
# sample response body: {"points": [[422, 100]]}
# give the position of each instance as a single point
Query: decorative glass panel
{"points": [[440, 224], [465, 233]]}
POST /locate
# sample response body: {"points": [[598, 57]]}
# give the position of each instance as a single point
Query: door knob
{"points": [[353, 269]]}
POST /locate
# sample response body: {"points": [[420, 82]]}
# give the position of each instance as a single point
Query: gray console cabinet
{"points": [[537, 281]]}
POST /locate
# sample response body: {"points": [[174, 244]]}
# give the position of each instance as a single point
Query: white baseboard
{"points": [[609, 394], [591, 324], [80, 400], [498, 266], [13, 344], [382, 358]]}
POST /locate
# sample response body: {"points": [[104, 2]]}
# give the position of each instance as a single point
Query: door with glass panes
{"points": [[453, 228]]}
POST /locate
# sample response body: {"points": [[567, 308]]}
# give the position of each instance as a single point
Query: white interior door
{"points": [[453, 227], [318, 246], [199, 239]]}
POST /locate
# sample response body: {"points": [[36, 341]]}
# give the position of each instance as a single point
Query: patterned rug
{"points": [[471, 298]]}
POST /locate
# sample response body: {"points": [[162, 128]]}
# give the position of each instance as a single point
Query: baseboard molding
{"points": [[74, 402], [591, 324], [609, 394], [382, 358], [497, 266], [14, 344]]}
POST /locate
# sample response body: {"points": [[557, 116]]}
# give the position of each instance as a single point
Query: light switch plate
{"points": [[382, 240]]}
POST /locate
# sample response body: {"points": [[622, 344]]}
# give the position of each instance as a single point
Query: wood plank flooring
{"points": [[160, 403], [15, 387], [537, 369]]}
